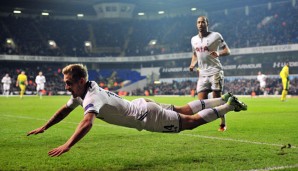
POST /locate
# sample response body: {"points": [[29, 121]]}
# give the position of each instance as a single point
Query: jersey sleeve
{"points": [[73, 103], [222, 43], [92, 103]]}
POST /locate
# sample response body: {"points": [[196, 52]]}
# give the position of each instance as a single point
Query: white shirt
{"points": [[207, 64], [262, 78], [109, 107], [40, 79], [6, 80]]}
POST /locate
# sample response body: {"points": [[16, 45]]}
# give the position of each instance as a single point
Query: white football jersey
{"points": [[111, 108], [262, 78], [6, 80], [40, 79], [207, 64]]}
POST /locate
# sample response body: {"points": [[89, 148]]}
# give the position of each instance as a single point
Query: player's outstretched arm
{"points": [[57, 117], [194, 60], [36, 131], [82, 129]]}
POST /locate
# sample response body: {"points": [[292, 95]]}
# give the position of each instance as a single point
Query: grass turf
{"points": [[253, 140]]}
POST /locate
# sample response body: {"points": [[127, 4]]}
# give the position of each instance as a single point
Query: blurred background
{"points": [[142, 47]]}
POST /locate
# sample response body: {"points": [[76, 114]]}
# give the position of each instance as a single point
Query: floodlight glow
{"points": [[141, 13], [9, 40], [87, 44], [17, 12], [152, 42], [80, 15], [52, 42], [157, 82], [193, 9], [45, 13], [161, 12]]}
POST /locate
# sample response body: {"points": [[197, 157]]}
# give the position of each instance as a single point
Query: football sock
{"points": [[284, 94], [199, 105], [223, 120], [212, 114]]}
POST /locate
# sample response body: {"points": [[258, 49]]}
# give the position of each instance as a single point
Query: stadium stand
{"points": [[257, 27]]}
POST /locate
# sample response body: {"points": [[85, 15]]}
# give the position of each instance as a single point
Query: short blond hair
{"points": [[77, 71]]}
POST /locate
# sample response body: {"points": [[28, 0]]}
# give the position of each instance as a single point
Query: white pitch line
{"points": [[184, 134], [235, 140], [274, 168]]}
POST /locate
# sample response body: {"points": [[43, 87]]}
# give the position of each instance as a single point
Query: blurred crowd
{"points": [[113, 80], [242, 27], [110, 79], [242, 86]]}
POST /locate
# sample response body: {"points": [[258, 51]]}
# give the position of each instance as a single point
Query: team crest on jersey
{"points": [[88, 106]]}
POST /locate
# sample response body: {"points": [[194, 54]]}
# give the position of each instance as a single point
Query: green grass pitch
{"points": [[253, 140]]}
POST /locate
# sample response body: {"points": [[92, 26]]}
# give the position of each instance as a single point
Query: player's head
{"points": [[40, 73], [23, 72], [259, 73], [75, 78], [202, 23]]}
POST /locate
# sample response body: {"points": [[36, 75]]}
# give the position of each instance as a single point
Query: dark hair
{"points": [[207, 21]]}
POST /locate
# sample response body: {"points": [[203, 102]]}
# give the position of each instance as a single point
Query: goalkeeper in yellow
{"points": [[284, 75], [22, 83]]}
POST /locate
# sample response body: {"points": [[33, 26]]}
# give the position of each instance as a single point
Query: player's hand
{"points": [[58, 151], [214, 54], [191, 68], [36, 131]]}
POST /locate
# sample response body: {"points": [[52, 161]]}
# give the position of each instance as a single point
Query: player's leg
{"points": [[198, 105], [41, 89], [211, 114], [22, 92], [163, 105], [194, 106], [217, 83], [222, 126], [37, 90], [285, 84], [5, 90]]}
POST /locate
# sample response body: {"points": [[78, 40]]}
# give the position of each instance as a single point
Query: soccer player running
{"points": [[262, 79], [206, 46], [22, 82], [284, 75], [40, 80], [6, 81], [138, 114]]}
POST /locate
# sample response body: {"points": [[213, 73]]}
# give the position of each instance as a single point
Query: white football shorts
{"points": [[161, 120], [210, 83]]}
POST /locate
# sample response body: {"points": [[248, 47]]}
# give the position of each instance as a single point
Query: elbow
{"points": [[228, 52]]}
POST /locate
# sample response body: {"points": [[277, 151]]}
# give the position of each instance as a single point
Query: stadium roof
{"points": [[71, 7]]}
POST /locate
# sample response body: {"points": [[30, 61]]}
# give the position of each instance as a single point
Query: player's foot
{"points": [[222, 128], [226, 96], [237, 104]]}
